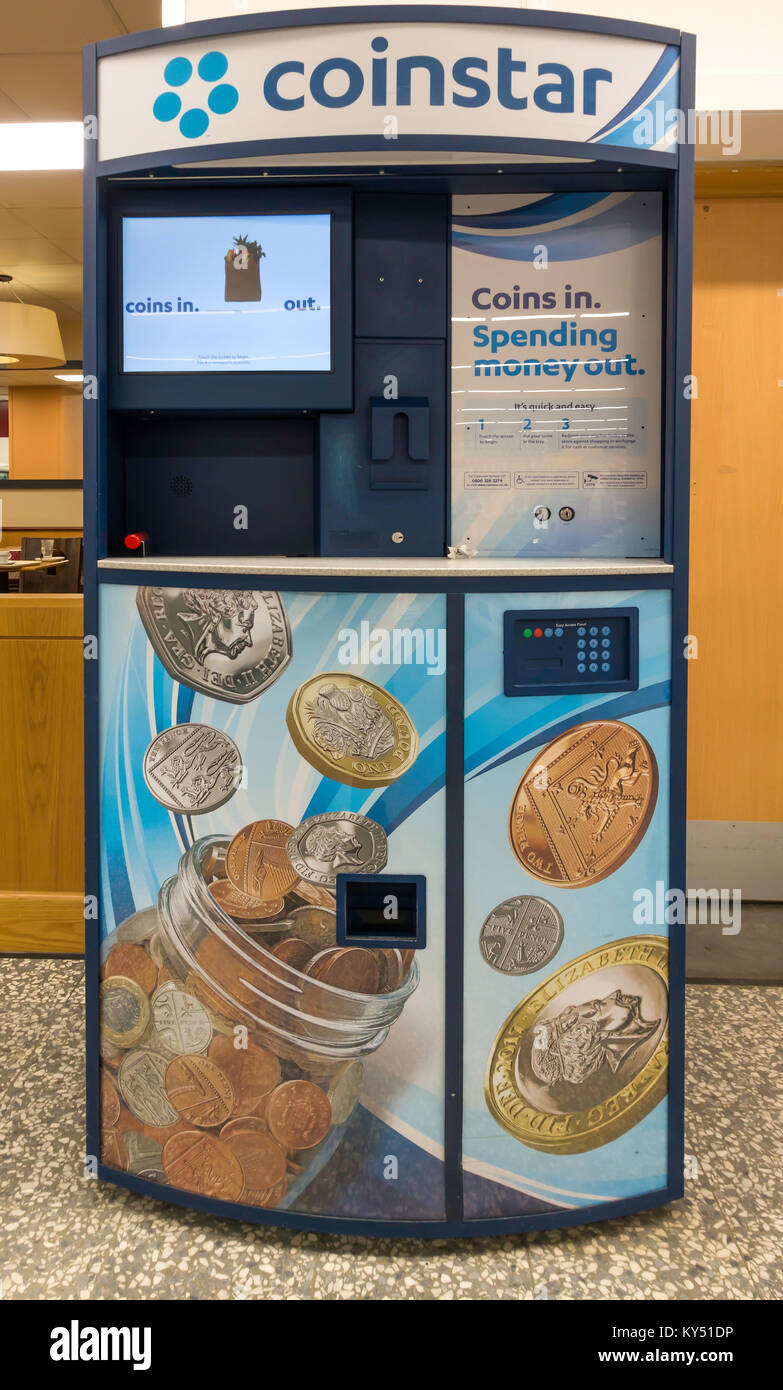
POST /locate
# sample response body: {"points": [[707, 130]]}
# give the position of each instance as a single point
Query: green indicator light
{"points": [[528, 632]]}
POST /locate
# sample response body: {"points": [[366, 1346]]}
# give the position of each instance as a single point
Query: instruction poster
{"points": [[556, 374]]}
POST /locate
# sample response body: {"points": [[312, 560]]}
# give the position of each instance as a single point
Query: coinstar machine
{"points": [[386, 434]]}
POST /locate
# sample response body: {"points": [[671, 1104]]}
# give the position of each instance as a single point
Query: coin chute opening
{"points": [[381, 910]]}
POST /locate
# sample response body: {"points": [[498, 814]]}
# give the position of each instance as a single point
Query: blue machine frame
{"points": [[671, 172]]}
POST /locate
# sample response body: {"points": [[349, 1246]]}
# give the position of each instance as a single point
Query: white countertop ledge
{"points": [[404, 568]]}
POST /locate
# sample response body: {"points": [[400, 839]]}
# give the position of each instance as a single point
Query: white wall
{"points": [[739, 46]]}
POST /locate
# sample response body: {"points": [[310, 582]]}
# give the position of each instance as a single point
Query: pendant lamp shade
{"points": [[29, 336]]}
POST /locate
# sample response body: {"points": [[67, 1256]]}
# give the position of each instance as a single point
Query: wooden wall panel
{"points": [[12, 537], [45, 434], [735, 738], [41, 753]]}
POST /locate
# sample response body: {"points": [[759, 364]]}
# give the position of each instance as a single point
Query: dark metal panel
{"points": [[184, 476], [400, 258], [365, 503]]}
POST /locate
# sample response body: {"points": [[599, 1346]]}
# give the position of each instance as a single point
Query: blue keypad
{"points": [[577, 651]]}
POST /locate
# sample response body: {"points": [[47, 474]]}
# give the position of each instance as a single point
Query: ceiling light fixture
{"points": [[172, 12], [28, 145], [69, 376], [29, 334]]}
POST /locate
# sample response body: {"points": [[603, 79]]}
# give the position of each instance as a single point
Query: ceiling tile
{"points": [[61, 188], [47, 87], [39, 291], [33, 250], [47, 275], [71, 333], [9, 111], [13, 227], [49, 301], [34, 376], [138, 14], [50, 26], [70, 246], [58, 224]]}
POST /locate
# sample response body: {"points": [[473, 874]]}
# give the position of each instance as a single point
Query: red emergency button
{"points": [[538, 632], [136, 540]]}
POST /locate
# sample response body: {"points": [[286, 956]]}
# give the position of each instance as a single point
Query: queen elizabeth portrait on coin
{"points": [[585, 1056], [229, 643]]}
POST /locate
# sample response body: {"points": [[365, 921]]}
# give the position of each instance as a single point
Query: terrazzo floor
{"points": [[64, 1236]]}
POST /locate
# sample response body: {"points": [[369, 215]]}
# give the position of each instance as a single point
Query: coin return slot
{"points": [[380, 910], [544, 663]]}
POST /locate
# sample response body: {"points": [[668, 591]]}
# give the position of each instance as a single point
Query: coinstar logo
{"points": [[220, 99], [379, 78]]}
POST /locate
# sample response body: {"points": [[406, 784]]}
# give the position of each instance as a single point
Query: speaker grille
{"points": [[181, 485]]}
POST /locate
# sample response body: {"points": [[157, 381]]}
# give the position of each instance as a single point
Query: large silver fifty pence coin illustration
{"points": [[521, 935], [192, 768], [337, 842], [229, 643]]}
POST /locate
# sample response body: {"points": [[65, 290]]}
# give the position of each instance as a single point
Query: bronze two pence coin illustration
{"points": [[584, 804]]}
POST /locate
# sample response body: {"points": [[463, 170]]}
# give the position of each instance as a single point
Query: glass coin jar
{"points": [[203, 995]]}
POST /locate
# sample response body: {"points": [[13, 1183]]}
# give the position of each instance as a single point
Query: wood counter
{"points": [[41, 755]]}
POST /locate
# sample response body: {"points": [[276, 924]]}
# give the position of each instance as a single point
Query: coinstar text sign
{"points": [[388, 84]]}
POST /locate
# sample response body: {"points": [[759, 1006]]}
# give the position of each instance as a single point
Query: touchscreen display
{"points": [[227, 294]]}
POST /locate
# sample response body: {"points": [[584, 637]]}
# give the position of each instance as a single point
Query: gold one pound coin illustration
{"points": [[352, 730]]}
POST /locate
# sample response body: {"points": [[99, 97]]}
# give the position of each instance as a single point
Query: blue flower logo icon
{"points": [[221, 99]]}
